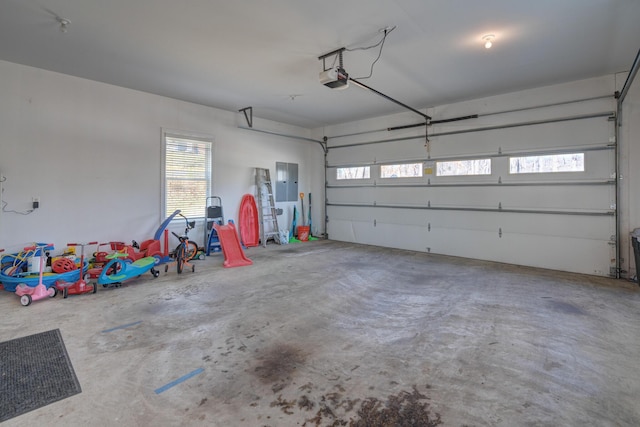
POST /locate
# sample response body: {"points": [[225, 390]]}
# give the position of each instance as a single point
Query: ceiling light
{"points": [[488, 40], [64, 24]]}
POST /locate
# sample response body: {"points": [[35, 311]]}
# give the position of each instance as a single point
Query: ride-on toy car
{"points": [[151, 247], [118, 270]]}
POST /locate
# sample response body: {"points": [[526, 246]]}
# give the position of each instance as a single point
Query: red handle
{"points": [[83, 244]]}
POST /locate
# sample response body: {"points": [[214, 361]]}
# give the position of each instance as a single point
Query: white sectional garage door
{"points": [[563, 219]]}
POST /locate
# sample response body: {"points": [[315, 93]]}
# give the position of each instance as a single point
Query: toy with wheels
{"points": [[118, 270], [147, 248], [100, 259], [186, 249], [100, 256], [10, 282], [152, 247], [80, 286], [28, 294]]}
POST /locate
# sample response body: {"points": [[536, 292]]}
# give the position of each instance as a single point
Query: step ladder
{"points": [[213, 214], [266, 207]]}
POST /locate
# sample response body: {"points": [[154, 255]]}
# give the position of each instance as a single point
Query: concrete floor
{"points": [[327, 333]]}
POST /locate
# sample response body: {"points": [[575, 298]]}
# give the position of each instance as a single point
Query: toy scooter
{"points": [[28, 294], [80, 286], [118, 270]]}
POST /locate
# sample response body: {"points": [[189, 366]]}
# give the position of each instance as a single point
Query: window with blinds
{"points": [[187, 175]]}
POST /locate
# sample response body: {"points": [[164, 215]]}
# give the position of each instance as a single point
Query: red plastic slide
{"points": [[233, 254]]}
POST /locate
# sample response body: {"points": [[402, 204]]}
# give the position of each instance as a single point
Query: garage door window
{"points": [[405, 170], [464, 167], [362, 172], [573, 162]]}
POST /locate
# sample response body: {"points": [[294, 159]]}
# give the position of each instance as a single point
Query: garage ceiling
{"points": [[234, 54]]}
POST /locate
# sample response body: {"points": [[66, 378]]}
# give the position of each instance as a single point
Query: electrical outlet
{"points": [[35, 202]]}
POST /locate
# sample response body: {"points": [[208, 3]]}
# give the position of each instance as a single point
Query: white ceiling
{"points": [[262, 53]]}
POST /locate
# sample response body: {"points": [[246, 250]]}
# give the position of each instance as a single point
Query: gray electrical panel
{"points": [[286, 182]]}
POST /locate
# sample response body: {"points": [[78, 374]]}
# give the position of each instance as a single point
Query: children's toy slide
{"points": [[233, 254]]}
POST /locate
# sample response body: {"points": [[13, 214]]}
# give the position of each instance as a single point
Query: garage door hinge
{"points": [[499, 205], [499, 180], [374, 223], [499, 150], [429, 203], [500, 232], [429, 227]]}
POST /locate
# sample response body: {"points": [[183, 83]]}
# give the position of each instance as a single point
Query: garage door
{"points": [[534, 186]]}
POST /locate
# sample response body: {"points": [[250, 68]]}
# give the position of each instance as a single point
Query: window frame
{"points": [[420, 169], [368, 167], [581, 153], [188, 136], [438, 162]]}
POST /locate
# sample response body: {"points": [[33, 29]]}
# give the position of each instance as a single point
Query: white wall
{"points": [[91, 152]]}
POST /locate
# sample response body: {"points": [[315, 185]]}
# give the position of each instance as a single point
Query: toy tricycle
{"points": [[118, 270], [100, 256], [80, 286], [151, 247], [28, 294]]}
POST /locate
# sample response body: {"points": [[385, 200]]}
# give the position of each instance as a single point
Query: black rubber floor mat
{"points": [[34, 372]]}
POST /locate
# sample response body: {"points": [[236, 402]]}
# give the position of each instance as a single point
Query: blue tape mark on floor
{"points": [[179, 380], [122, 327]]}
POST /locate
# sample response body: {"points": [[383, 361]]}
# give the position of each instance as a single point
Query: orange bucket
{"points": [[303, 233]]}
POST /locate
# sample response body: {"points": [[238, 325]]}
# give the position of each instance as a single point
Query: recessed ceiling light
{"points": [[488, 40]]}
